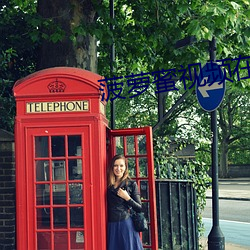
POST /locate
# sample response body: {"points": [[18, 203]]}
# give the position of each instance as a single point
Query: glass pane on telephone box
{"points": [[74, 145], [41, 146], [58, 146]]}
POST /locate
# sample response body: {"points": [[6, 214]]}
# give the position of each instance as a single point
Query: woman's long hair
{"points": [[111, 175]]}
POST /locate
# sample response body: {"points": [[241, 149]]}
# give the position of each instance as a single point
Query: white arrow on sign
{"points": [[206, 87]]}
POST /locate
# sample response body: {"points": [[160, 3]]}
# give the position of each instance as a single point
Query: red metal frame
{"points": [[32, 184], [135, 132]]}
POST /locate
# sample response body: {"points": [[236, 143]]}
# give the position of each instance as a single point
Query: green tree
{"points": [[67, 34], [234, 118], [233, 128], [145, 36], [17, 54]]}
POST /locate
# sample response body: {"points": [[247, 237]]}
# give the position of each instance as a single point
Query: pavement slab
{"points": [[242, 193], [228, 246]]}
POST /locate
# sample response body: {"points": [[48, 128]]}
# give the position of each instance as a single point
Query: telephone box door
{"points": [[136, 145], [59, 188]]}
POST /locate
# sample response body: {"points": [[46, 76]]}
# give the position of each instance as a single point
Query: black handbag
{"points": [[140, 222]]}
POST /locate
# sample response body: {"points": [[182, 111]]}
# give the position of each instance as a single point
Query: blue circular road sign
{"points": [[210, 87]]}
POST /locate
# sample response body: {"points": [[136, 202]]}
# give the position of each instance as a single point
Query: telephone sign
{"points": [[48, 107]]}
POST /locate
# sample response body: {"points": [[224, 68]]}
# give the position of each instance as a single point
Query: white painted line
{"points": [[239, 222]]}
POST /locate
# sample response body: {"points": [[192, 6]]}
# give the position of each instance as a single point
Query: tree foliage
{"points": [[17, 53], [145, 37], [178, 168], [234, 120], [66, 34]]}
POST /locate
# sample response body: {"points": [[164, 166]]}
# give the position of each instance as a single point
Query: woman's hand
{"points": [[123, 194]]}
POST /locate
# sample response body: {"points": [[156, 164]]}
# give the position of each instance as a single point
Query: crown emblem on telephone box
{"points": [[56, 86]]}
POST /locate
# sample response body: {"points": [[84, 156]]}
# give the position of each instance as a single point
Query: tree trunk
{"points": [[223, 166], [75, 49]]}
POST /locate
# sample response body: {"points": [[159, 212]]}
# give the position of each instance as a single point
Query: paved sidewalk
{"points": [[228, 246], [230, 194], [242, 193]]}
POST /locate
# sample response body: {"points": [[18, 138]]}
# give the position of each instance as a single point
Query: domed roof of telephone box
{"points": [[58, 80]]}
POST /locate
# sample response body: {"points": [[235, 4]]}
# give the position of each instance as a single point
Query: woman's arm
{"points": [[133, 200]]}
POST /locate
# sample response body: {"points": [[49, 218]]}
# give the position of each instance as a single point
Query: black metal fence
{"points": [[176, 210]]}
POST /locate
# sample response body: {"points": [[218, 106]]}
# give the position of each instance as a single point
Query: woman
{"points": [[122, 195]]}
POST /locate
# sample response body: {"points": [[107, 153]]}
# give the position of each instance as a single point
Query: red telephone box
{"points": [[62, 146]]}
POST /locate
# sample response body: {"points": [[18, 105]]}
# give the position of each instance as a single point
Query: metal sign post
{"points": [[210, 93], [216, 239]]}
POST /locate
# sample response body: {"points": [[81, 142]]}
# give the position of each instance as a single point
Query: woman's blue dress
{"points": [[122, 236]]}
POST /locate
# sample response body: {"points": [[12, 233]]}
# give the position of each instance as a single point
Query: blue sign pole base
{"points": [[216, 239]]}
